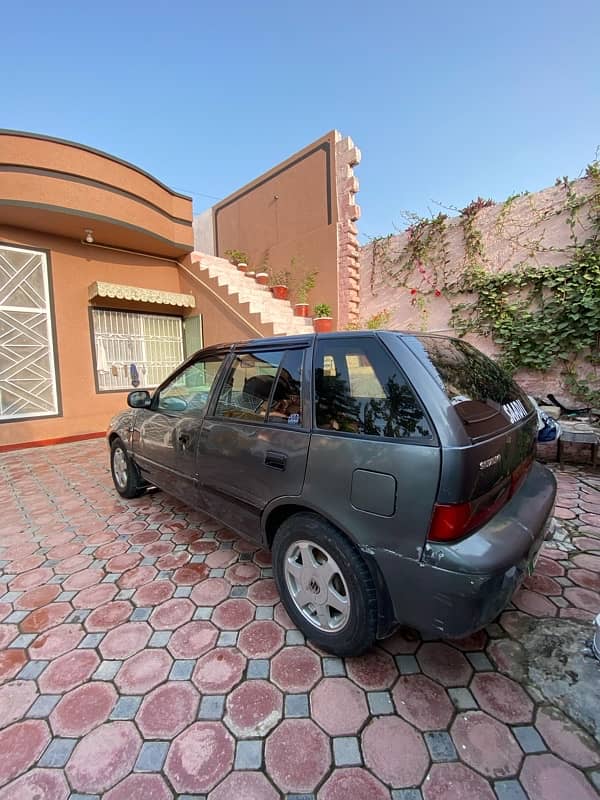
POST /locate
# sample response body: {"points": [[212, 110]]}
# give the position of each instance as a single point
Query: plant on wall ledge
{"points": [[322, 321], [303, 287], [279, 281], [237, 257]]}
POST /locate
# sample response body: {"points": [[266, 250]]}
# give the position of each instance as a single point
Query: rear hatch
{"points": [[495, 426]]}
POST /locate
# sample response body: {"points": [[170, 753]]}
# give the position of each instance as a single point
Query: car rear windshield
{"points": [[472, 381]]}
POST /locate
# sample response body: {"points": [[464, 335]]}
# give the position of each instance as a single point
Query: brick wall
{"points": [[347, 156]]}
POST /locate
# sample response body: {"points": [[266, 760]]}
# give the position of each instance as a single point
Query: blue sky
{"points": [[447, 101]]}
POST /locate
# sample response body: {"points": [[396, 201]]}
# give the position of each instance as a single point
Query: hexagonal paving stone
{"points": [[21, 745], [534, 604], [83, 579], [264, 592], [200, 757], [15, 698], [136, 577], [166, 711], [476, 641], [124, 641], [11, 662], [173, 560], [546, 777], [210, 592], [171, 614], [35, 598], [456, 782], [49, 784], [123, 562], [502, 698], [253, 709], [395, 752], [261, 639], [55, 642], [95, 596], [374, 671], [193, 639], [42, 619], [190, 574], [108, 616], [29, 580], [219, 670], [140, 787], [103, 757], [444, 664], [83, 709], [143, 671], [7, 634], [339, 706], [233, 614], [247, 785], [68, 671], [566, 739], [219, 559], [583, 598], [422, 702], [295, 669], [508, 656], [297, 755], [355, 783], [582, 577], [486, 744], [243, 573], [152, 594]]}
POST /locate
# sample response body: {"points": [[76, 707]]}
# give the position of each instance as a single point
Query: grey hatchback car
{"points": [[391, 474]]}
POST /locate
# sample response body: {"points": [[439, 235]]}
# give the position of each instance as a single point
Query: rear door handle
{"points": [[275, 460]]}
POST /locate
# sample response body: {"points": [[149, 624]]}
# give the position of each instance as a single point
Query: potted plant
{"points": [[238, 258], [264, 268], [304, 286], [279, 282], [322, 322]]}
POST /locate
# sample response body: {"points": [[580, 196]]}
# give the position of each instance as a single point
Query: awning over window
{"points": [[122, 292]]}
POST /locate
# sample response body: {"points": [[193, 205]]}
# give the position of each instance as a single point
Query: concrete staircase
{"points": [[253, 301]]}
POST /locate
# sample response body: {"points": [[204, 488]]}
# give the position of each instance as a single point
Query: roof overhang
{"points": [[138, 294]]}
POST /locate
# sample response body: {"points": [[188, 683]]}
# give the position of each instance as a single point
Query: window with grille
{"points": [[27, 368], [135, 350]]}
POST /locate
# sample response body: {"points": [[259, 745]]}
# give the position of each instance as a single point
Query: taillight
{"points": [[452, 522]]}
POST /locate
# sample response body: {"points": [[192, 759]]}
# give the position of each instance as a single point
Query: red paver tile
{"points": [[552, 553], [233, 614], [26, 564], [357, 784], [583, 598], [242, 574], [582, 577], [476, 641], [35, 598], [548, 567], [246, 786], [210, 592], [7, 634], [455, 782], [253, 708], [264, 592], [108, 616], [103, 757], [143, 671], [339, 706], [263, 558], [219, 670], [589, 519], [6, 609], [73, 564], [190, 574], [282, 618], [566, 739], [395, 752], [219, 559], [111, 549], [513, 622], [245, 546], [542, 584], [505, 654], [404, 642], [297, 755], [136, 577], [200, 757], [11, 662], [172, 613], [68, 671], [375, 670], [83, 579], [576, 613], [486, 744], [586, 543], [295, 669], [193, 639], [166, 711], [42, 619], [83, 709], [156, 549], [424, 703], [144, 537], [564, 513], [124, 641], [140, 787], [185, 536], [55, 642], [152, 594], [15, 698], [534, 604], [173, 560], [261, 639], [444, 664], [123, 562], [29, 580], [21, 745], [202, 546], [546, 777], [502, 698], [94, 596], [585, 561], [38, 784]]}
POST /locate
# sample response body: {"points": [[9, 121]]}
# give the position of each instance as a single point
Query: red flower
{"points": [[437, 293], [413, 291]]}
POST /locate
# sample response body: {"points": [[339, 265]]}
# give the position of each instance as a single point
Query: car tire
{"points": [[325, 585], [125, 474]]}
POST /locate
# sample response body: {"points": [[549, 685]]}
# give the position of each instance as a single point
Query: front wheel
{"points": [[125, 475], [325, 585]]}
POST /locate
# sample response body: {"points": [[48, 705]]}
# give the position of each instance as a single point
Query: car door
{"points": [[254, 443], [167, 435]]}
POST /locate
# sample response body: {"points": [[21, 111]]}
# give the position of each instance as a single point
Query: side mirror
{"points": [[140, 399]]}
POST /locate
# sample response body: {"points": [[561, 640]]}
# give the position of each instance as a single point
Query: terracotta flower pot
{"points": [[280, 292], [262, 278], [323, 324], [242, 267], [301, 309]]}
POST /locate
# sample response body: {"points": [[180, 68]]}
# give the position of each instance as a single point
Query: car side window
{"points": [[360, 389], [286, 400], [248, 386], [189, 391]]}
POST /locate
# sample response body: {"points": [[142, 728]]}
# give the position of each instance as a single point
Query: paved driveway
{"points": [[144, 654]]}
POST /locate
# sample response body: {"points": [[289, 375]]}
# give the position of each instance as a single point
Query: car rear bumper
{"points": [[457, 589]]}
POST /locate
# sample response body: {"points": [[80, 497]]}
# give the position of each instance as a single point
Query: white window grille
{"points": [[135, 350], [27, 372]]}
